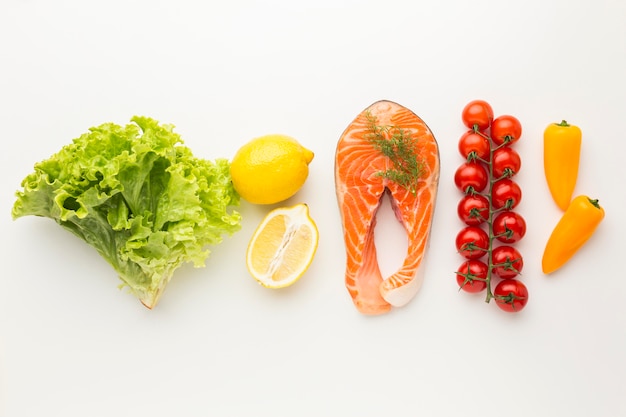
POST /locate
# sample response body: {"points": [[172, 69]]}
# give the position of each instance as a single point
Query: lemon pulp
{"points": [[283, 246]]}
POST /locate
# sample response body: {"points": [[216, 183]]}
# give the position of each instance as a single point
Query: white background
{"points": [[72, 344]]}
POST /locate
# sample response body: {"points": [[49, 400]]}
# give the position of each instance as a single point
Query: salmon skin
{"points": [[363, 174]]}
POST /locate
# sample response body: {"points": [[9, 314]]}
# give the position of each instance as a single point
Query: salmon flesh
{"points": [[364, 172]]}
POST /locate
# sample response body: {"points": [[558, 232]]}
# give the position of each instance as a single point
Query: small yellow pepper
{"points": [[561, 156], [576, 226]]}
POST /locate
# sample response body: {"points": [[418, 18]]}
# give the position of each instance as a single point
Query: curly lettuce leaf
{"points": [[139, 197]]}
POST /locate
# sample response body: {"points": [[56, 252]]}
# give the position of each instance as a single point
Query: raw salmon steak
{"points": [[386, 149]]}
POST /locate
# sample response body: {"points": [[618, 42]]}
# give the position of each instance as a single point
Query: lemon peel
{"points": [[270, 169]]}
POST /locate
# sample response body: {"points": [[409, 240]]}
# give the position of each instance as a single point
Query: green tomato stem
{"points": [[508, 264], [490, 223]]}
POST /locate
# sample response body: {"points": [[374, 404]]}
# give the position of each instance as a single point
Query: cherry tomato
{"points": [[506, 261], [472, 242], [509, 227], [474, 145], [505, 129], [471, 174], [473, 209], [506, 162], [506, 194], [472, 276], [511, 295], [477, 113]]}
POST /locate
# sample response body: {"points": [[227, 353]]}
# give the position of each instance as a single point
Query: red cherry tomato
{"points": [[511, 295], [472, 242], [506, 261], [505, 129], [474, 145], [473, 209], [506, 194], [506, 162], [509, 227], [472, 276], [477, 113], [471, 174]]}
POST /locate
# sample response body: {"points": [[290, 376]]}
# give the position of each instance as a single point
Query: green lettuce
{"points": [[139, 197]]}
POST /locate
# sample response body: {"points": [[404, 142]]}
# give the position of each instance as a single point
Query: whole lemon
{"points": [[270, 169]]}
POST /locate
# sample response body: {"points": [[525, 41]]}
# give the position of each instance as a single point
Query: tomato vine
{"points": [[488, 176]]}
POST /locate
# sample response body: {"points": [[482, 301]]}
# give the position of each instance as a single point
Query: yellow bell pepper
{"points": [[561, 155], [576, 226]]}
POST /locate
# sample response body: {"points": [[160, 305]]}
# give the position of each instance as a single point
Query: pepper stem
{"points": [[595, 202]]}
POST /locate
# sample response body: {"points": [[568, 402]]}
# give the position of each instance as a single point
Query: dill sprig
{"points": [[400, 147]]}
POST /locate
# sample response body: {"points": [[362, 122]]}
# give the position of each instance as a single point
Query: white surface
{"points": [[72, 344]]}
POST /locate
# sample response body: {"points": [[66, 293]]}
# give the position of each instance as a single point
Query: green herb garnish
{"points": [[400, 147]]}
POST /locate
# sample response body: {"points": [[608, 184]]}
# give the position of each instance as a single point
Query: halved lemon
{"points": [[283, 246]]}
